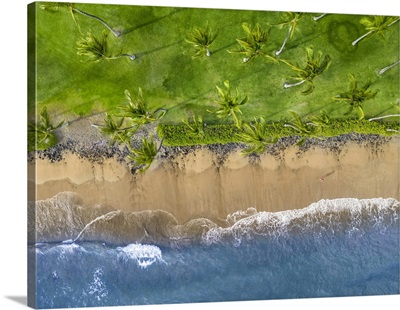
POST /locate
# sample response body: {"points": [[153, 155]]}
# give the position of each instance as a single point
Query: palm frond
{"points": [[253, 44], [356, 96], [135, 107], [228, 104], [54, 6], [376, 24], [256, 136], [316, 64], [137, 111], [41, 134], [291, 20], [144, 156], [195, 126], [201, 39], [95, 48], [114, 128]]}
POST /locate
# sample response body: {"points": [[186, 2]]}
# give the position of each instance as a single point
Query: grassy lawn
{"points": [[71, 87]]}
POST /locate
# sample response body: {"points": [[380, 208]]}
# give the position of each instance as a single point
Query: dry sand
{"points": [[192, 186]]}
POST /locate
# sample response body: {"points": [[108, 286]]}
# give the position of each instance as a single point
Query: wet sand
{"points": [[195, 186]]}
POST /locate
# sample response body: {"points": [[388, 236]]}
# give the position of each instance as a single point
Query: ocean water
{"points": [[332, 248]]}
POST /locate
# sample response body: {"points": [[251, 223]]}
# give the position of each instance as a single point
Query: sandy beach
{"points": [[195, 185]]}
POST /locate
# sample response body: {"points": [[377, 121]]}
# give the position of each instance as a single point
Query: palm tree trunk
{"points": [[236, 119], [103, 126], [287, 85], [362, 37], [284, 42], [208, 53], [164, 111], [382, 117], [291, 126], [394, 22], [130, 56], [116, 33], [319, 17], [382, 71], [161, 142], [360, 109]]}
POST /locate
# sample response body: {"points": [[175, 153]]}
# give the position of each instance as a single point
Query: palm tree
{"points": [[144, 156], [256, 136], [376, 24], [356, 96], [290, 19], [304, 129], [41, 135], [320, 120], [56, 6], [316, 65], [382, 71], [201, 39], [318, 123], [137, 110], [114, 129], [196, 126], [319, 16], [229, 105], [253, 45], [96, 48]]}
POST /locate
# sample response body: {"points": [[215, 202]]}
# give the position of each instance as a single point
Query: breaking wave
{"points": [[64, 217], [144, 255]]}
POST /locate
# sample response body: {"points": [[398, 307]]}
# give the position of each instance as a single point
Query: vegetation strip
{"points": [[181, 135]]}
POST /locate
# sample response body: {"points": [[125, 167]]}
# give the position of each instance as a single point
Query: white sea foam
{"points": [[159, 227], [97, 288], [326, 216], [144, 255]]}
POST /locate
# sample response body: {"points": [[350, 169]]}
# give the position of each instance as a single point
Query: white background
{"points": [[13, 148]]}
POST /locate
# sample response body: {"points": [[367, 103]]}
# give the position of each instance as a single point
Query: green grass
{"points": [[170, 78]]}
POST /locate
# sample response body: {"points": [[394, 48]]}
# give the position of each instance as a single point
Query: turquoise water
{"points": [[352, 251]]}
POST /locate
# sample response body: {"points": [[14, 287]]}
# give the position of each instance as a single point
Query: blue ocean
{"points": [[332, 248]]}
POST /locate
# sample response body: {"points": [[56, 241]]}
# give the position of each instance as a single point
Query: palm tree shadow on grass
{"points": [[302, 41], [136, 27], [309, 113], [224, 48], [381, 113], [157, 49]]}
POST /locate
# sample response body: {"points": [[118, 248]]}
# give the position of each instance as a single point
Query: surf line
{"points": [[106, 216]]}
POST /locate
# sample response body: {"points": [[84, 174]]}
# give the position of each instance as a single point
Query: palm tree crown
{"points": [[290, 19], [304, 129], [256, 136], [316, 65], [376, 24], [41, 134], [229, 105], [144, 156], [114, 129], [356, 95], [96, 48], [196, 126], [137, 109], [253, 45], [201, 39]]}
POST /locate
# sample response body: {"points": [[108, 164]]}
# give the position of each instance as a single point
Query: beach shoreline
{"points": [[213, 182]]}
